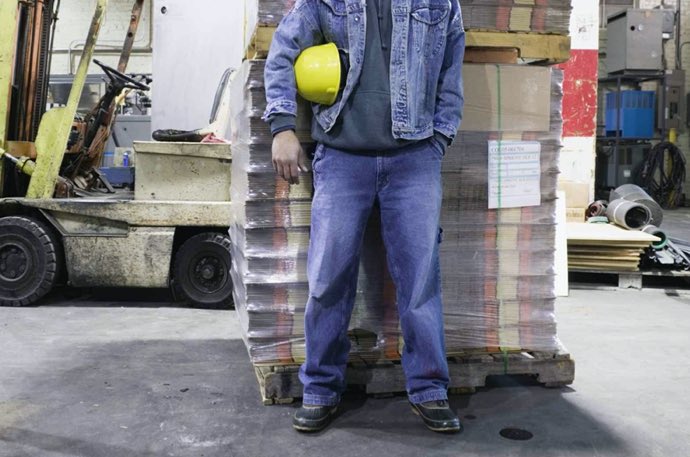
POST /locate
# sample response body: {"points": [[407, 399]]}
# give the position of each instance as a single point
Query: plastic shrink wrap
{"points": [[536, 16], [497, 264]]}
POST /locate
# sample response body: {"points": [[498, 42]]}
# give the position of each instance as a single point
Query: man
{"points": [[381, 142]]}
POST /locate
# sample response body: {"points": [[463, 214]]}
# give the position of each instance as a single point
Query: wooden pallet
{"points": [[594, 279], [533, 47], [281, 384]]}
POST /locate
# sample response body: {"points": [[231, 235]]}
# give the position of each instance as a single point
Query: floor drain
{"points": [[517, 434]]}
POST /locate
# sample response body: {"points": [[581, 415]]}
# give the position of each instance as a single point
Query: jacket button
{"points": [[356, 18]]}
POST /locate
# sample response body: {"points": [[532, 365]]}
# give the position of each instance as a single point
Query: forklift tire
{"points": [[29, 260], [201, 271]]}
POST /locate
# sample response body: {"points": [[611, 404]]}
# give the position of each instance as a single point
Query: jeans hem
{"points": [[431, 395], [320, 400]]}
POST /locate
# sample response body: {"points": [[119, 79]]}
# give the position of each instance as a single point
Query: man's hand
{"points": [[288, 156]]}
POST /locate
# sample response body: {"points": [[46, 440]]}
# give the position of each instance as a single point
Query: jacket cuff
{"points": [[441, 139], [282, 122]]}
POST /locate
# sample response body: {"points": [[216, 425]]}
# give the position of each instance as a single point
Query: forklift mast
{"points": [[28, 28], [55, 125]]}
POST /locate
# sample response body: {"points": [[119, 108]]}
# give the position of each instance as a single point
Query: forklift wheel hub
{"points": [[14, 262]]}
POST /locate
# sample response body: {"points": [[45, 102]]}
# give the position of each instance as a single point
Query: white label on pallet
{"points": [[514, 174]]}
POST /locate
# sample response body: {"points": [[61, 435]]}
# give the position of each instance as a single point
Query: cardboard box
{"points": [[506, 98], [575, 214], [576, 193]]}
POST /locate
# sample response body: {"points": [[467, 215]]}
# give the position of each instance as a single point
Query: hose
{"points": [[663, 184]]}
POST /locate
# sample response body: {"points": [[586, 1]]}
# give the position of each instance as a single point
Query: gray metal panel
{"points": [[140, 259], [671, 102], [140, 213], [644, 40], [206, 170], [615, 46], [635, 41], [128, 129]]}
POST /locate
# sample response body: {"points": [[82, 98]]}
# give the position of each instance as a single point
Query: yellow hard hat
{"points": [[318, 72]]}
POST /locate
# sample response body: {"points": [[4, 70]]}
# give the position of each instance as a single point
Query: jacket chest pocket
{"points": [[333, 16], [428, 26]]}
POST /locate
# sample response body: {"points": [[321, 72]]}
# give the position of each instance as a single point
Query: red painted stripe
{"points": [[580, 93]]}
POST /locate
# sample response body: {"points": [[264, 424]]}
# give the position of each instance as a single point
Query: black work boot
{"points": [[437, 416], [312, 418]]}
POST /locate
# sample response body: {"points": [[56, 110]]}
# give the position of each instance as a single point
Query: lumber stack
{"points": [[605, 247], [497, 264]]}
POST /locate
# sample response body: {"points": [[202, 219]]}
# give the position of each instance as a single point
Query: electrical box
{"points": [[670, 101], [630, 156], [635, 41]]}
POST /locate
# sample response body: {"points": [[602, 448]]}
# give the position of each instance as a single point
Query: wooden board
{"points": [[603, 266], [606, 234], [543, 48], [532, 46], [491, 55], [603, 258], [585, 249], [281, 384]]}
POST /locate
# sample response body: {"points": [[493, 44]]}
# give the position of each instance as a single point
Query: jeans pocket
{"points": [[319, 153]]}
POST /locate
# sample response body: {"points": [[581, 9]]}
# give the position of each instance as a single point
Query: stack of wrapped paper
{"points": [[497, 264]]}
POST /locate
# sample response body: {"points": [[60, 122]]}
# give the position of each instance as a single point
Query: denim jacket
{"points": [[428, 46]]}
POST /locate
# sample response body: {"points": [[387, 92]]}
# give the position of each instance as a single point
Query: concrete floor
{"points": [[100, 378], [676, 223]]}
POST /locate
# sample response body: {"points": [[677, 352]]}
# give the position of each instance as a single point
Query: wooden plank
{"points": [[630, 281], [491, 55], [551, 48], [606, 233], [605, 266], [531, 46]]}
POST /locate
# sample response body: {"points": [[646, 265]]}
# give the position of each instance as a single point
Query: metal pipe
{"points": [[627, 214], [657, 232], [598, 208], [636, 194]]}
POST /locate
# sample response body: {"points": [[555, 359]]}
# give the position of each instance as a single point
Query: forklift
{"points": [[61, 221]]}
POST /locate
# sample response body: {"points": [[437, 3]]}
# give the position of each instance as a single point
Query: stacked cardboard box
{"points": [[497, 265]]}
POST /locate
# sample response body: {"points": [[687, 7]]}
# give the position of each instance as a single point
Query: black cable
{"points": [[664, 184]]}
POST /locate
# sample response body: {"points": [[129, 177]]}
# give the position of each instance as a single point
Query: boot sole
{"points": [[317, 427], [436, 429]]}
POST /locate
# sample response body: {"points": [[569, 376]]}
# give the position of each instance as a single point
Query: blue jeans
{"points": [[406, 183]]}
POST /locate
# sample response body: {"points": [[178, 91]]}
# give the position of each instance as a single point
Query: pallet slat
{"points": [[466, 373]]}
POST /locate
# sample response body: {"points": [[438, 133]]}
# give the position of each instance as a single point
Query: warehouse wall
{"points": [[73, 24], [195, 43]]}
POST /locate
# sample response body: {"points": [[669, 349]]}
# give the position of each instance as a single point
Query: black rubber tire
{"points": [[30, 260], [207, 253]]}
